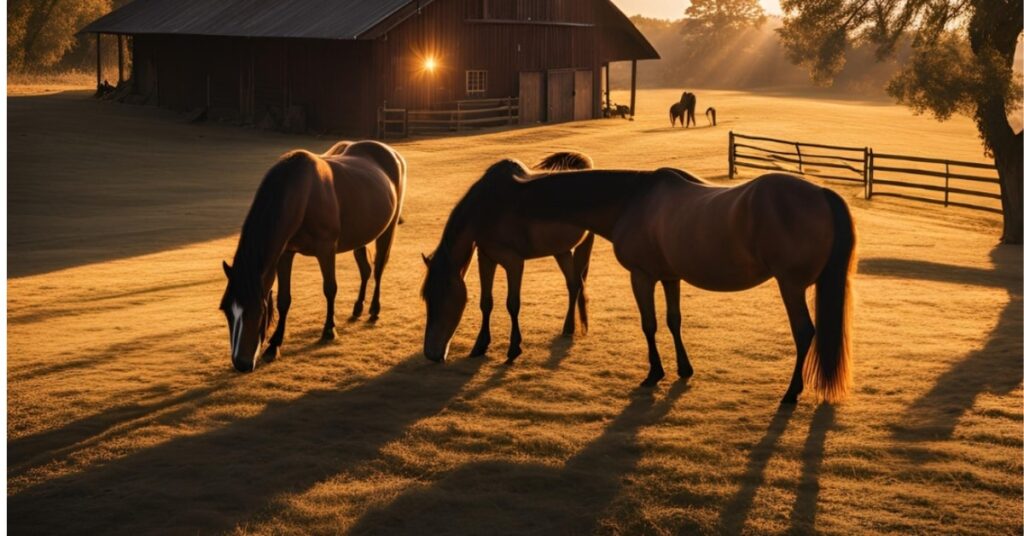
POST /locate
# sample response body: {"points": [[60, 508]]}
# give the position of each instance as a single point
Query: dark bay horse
{"points": [[689, 106], [317, 206], [668, 225], [489, 220]]}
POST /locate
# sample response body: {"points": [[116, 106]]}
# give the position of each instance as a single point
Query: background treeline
{"points": [[42, 35], [744, 58]]}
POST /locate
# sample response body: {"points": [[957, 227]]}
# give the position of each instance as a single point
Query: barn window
{"points": [[476, 82]]}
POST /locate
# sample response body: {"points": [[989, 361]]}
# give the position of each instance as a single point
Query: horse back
{"points": [[368, 180]]}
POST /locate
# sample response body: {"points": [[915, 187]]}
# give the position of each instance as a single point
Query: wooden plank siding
{"points": [[340, 84]]}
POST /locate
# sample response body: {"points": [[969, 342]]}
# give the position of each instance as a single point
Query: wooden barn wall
{"points": [[245, 79], [468, 35]]}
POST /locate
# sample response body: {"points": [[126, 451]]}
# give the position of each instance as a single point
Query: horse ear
{"points": [[426, 259], [227, 269]]}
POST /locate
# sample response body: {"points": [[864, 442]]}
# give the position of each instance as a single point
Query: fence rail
{"points": [[453, 117], [862, 164]]}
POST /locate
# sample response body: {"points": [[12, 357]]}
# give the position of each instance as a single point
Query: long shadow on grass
{"points": [[994, 368], [499, 497], [214, 481], [734, 516]]}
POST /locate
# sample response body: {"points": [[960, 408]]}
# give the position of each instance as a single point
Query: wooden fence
{"points": [[454, 117], [908, 177]]}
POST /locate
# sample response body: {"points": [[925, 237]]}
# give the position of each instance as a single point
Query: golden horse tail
{"points": [[581, 265], [828, 368]]}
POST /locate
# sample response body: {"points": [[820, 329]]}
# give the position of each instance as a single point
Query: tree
{"points": [[721, 18], [40, 32], [962, 62]]}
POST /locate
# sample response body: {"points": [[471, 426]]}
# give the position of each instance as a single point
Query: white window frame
{"points": [[478, 86]]}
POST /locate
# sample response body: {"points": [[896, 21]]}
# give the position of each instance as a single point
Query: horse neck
{"points": [[594, 199], [459, 237]]}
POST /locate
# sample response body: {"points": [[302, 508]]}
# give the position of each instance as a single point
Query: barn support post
{"points": [[632, 92], [871, 171], [99, 64], [607, 85], [799, 158], [120, 59]]}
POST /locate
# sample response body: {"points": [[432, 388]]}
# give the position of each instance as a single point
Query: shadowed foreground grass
{"points": [[124, 415]]}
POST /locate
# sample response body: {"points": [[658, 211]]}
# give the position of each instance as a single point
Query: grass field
{"points": [[124, 414]]}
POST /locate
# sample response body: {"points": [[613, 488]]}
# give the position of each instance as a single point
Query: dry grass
{"points": [[124, 415]]}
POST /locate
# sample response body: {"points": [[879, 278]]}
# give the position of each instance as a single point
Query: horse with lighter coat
{"points": [[315, 205]]}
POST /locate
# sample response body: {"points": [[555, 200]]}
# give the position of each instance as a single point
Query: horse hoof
{"points": [[686, 372], [479, 350], [328, 335], [514, 352], [373, 318], [270, 354], [652, 380], [357, 311], [788, 400]]}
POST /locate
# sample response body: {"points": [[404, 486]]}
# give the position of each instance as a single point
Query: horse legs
{"points": [[326, 260], [514, 271], [643, 291], [383, 247], [572, 283], [803, 334], [364, 276], [674, 319], [487, 268], [284, 302]]}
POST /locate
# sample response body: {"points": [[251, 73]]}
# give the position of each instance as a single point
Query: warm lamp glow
{"points": [[429, 64]]}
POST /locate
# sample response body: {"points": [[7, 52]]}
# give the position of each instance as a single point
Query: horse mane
{"points": [[565, 160], [687, 175], [262, 221]]}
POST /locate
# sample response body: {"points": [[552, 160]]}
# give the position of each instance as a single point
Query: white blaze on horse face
{"points": [[236, 328]]}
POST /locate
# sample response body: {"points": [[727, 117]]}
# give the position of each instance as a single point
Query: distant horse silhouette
{"points": [[613, 110], [676, 111], [712, 116], [488, 220], [317, 206], [689, 102], [668, 225]]}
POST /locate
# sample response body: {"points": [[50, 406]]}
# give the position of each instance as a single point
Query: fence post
{"points": [[799, 158], [871, 171], [946, 200], [732, 155], [864, 172]]}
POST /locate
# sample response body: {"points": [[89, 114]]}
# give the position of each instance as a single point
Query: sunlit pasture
{"points": [[126, 416]]}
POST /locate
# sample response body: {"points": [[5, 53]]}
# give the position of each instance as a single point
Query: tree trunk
{"points": [[995, 27]]}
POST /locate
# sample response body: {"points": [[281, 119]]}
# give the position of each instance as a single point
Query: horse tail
{"points": [[828, 368], [581, 264]]}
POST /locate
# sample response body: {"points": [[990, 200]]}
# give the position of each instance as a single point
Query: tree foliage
{"points": [[41, 32], [962, 62], [721, 18]]}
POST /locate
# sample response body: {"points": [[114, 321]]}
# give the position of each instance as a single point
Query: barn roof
{"points": [[303, 19], [309, 19]]}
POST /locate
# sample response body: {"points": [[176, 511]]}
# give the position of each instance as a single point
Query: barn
{"points": [[367, 67]]}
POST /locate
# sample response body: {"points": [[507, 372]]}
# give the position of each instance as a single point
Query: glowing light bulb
{"points": [[429, 64]]}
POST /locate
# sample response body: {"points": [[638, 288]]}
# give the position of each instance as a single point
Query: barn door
{"points": [[560, 101], [531, 98], [584, 95]]}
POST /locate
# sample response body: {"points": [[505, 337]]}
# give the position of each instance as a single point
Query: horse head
{"points": [[248, 315]]}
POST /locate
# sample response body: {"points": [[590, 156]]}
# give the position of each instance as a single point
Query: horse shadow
{"points": [[216, 480], [994, 368], [734, 516], [501, 497], [559, 349]]}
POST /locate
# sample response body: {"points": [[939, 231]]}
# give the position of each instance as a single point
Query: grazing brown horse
{"points": [[712, 116], [317, 206], [491, 221], [668, 225]]}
